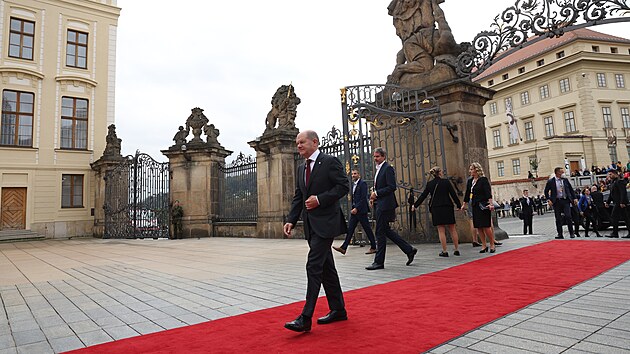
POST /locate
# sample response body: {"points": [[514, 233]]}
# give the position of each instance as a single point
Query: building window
{"points": [[569, 122], [21, 38], [625, 117], [544, 92], [621, 83], [521, 70], [493, 108], [614, 50], [500, 168], [505, 76], [529, 131], [549, 131], [72, 191], [508, 103], [540, 62], [595, 48], [496, 137], [490, 82], [560, 54], [524, 98], [601, 80], [607, 115], [74, 121], [76, 49], [516, 167], [612, 152], [17, 118], [565, 86]]}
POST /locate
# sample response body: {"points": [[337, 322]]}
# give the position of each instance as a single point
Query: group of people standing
{"points": [[587, 207]]}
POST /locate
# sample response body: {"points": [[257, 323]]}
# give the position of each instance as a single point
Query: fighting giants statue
{"points": [[112, 147], [283, 109], [429, 51]]}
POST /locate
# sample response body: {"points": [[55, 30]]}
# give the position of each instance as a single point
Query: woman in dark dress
{"points": [[441, 207], [479, 194]]}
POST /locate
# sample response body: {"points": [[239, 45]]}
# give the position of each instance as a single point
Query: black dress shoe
{"points": [[333, 316], [559, 237], [300, 324], [572, 236], [375, 266], [411, 255], [613, 235]]}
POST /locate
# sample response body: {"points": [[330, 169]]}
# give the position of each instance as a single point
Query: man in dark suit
{"points": [[527, 210], [560, 195], [358, 214], [619, 197], [599, 208], [320, 183], [385, 204]]}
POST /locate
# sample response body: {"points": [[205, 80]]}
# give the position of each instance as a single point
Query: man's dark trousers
{"points": [[617, 214], [355, 219], [562, 210], [320, 270], [384, 231]]}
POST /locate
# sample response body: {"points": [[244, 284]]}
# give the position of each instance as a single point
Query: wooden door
{"points": [[575, 166], [13, 212]]}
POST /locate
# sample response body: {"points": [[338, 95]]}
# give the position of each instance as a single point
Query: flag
{"points": [[512, 126]]}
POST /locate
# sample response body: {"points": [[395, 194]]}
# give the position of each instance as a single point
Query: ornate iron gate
{"points": [[137, 199], [238, 190], [408, 125]]}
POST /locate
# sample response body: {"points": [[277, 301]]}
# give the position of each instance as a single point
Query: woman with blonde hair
{"points": [[441, 206], [479, 194]]}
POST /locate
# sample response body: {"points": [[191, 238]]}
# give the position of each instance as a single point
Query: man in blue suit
{"points": [[560, 195], [385, 204], [358, 214]]}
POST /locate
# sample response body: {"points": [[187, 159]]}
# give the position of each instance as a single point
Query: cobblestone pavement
{"points": [[60, 295]]}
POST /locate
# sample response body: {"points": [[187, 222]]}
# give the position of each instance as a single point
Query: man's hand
{"points": [[287, 229], [311, 203], [605, 205], [373, 196], [575, 202], [549, 202], [622, 205], [354, 211], [413, 208]]}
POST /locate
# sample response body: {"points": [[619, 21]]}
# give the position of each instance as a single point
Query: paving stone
{"points": [[169, 323], [549, 338], [9, 351], [94, 337], [59, 331], [65, 344], [6, 340], [20, 326], [490, 347], [548, 328], [74, 316], [111, 321], [479, 334], [463, 342], [121, 332], [84, 326], [132, 318], [446, 348], [525, 344], [608, 340], [154, 314], [599, 348], [191, 318], [39, 348], [28, 337], [146, 327]]}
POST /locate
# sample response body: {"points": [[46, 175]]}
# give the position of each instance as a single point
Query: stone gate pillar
{"points": [[461, 103], [195, 174], [275, 169]]}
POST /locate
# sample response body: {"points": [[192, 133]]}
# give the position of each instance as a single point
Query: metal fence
{"points": [[238, 190]]}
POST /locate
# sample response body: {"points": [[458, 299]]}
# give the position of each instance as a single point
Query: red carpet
{"points": [[406, 316]]}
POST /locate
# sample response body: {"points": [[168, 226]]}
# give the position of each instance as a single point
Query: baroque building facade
{"points": [[571, 102], [58, 67]]}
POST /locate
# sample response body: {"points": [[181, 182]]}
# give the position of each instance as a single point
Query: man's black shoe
{"points": [[573, 236], [559, 237], [411, 255], [613, 235], [333, 316], [375, 266], [300, 324]]}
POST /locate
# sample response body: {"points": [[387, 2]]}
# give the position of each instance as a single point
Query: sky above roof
{"points": [[230, 57]]}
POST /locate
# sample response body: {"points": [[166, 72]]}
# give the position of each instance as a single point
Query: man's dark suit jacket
{"points": [[527, 209], [385, 187], [552, 192], [618, 194], [360, 197], [329, 183]]}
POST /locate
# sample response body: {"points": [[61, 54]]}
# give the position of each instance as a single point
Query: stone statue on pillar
{"points": [[197, 120], [112, 146], [180, 137], [283, 110], [429, 51]]}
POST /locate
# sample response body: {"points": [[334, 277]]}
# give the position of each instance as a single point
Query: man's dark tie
{"points": [[308, 170]]}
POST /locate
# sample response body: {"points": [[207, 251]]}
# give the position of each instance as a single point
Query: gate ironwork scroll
{"points": [[238, 190], [406, 123], [137, 199]]}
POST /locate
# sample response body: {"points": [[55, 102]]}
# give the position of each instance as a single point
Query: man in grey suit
{"points": [[320, 183]]}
